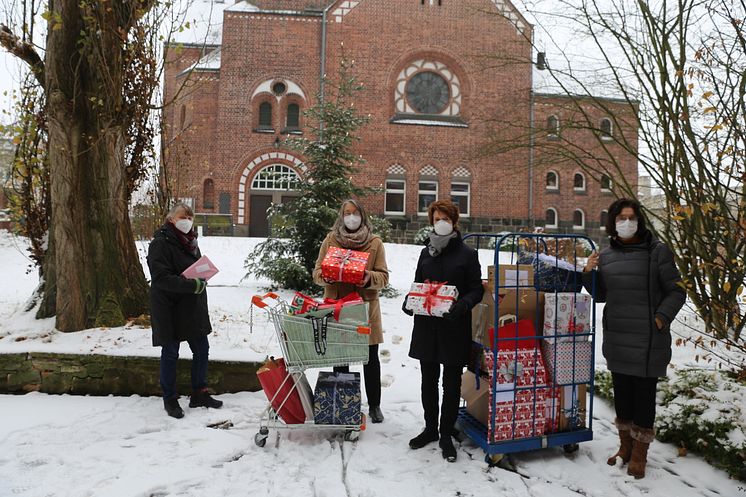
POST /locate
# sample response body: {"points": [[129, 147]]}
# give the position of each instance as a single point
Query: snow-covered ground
{"points": [[127, 446]]}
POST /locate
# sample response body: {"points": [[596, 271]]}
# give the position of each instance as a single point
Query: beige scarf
{"points": [[353, 240]]}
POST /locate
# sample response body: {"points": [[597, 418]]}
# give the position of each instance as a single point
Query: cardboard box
{"points": [[477, 400], [568, 402], [511, 275], [525, 302]]}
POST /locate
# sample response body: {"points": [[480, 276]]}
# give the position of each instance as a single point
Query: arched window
{"points": [[605, 183], [607, 128], [461, 190], [265, 116], [275, 177], [553, 127], [551, 218], [208, 194], [552, 180], [292, 122], [604, 219], [578, 182], [396, 193], [427, 189], [578, 219], [395, 199]]}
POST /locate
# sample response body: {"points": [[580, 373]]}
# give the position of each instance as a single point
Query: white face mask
{"points": [[443, 227], [353, 221], [627, 228], [184, 225]]}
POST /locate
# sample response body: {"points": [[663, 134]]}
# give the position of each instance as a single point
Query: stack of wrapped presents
{"points": [[541, 354], [336, 396], [336, 399]]}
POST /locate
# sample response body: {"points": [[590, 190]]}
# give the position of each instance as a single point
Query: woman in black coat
{"points": [[178, 308], [639, 282], [444, 340]]}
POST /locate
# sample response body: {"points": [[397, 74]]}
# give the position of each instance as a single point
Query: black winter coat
{"points": [[638, 282], [176, 313], [438, 339]]}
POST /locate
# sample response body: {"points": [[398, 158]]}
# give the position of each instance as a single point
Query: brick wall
{"points": [[489, 55]]}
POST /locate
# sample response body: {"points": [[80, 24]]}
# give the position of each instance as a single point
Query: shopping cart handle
{"points": [[259, 300], [363, 330]]}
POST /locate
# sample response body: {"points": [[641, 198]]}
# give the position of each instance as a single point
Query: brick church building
{"points": [[457, 110]]}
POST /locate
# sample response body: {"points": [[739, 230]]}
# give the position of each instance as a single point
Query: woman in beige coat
{"points": [[353, 231]]}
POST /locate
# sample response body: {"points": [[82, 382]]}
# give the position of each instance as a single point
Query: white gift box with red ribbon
{"points": [[431, 298]]}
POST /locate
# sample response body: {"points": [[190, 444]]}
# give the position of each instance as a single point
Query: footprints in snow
{"points": [[387, 380]]}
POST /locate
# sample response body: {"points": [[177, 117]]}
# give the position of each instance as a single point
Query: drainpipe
{"points": [[322, 73], [531, 119]]}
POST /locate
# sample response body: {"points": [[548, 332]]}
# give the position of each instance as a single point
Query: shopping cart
{"points": [[537, 392], [306, 343]]}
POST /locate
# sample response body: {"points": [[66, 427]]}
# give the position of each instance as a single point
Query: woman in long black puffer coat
{"points": [[178, 308], [641, 286], [444, 340]]}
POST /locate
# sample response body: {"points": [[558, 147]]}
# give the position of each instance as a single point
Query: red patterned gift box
{"points": [[346, 266], [520, 417], [431, 298], [518, 413], [559, 361]]}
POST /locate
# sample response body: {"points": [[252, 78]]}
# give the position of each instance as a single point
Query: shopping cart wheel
{"points": [[502, 461], [260, 439], [571, 448], [352, 435], [493, 459]]}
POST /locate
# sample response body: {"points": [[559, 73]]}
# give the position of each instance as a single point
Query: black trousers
{"points": [[371, 376], [451, 395], [634, 399]]}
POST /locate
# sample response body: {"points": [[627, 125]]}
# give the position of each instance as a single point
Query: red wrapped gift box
{"points": [[302, 304], [518, 413], [346, 266]]}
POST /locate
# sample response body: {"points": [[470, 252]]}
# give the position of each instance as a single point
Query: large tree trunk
{"points": [[93, 275]]}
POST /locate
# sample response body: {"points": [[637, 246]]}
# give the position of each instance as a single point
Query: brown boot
{"points": [[625, 442], [642, 437]]}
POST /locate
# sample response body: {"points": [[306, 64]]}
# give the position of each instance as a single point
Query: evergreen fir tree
{"points": [[288, 255]]}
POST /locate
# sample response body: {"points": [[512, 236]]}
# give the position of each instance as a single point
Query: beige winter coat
{"points": [[379, 278]]}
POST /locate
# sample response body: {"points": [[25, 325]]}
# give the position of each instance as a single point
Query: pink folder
{"points": [[203, 269]]}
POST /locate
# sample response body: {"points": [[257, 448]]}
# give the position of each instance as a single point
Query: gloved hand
{"points": [[457, 311], [404, 309], [199, 285]]}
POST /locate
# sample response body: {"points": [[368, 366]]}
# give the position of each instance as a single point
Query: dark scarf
{"points": [[438, 243], [188, 241]]}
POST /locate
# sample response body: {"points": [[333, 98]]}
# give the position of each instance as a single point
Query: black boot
{"points": [[376, 416], [446, 446], [424, 438], [201, 398], [173, 408]]}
